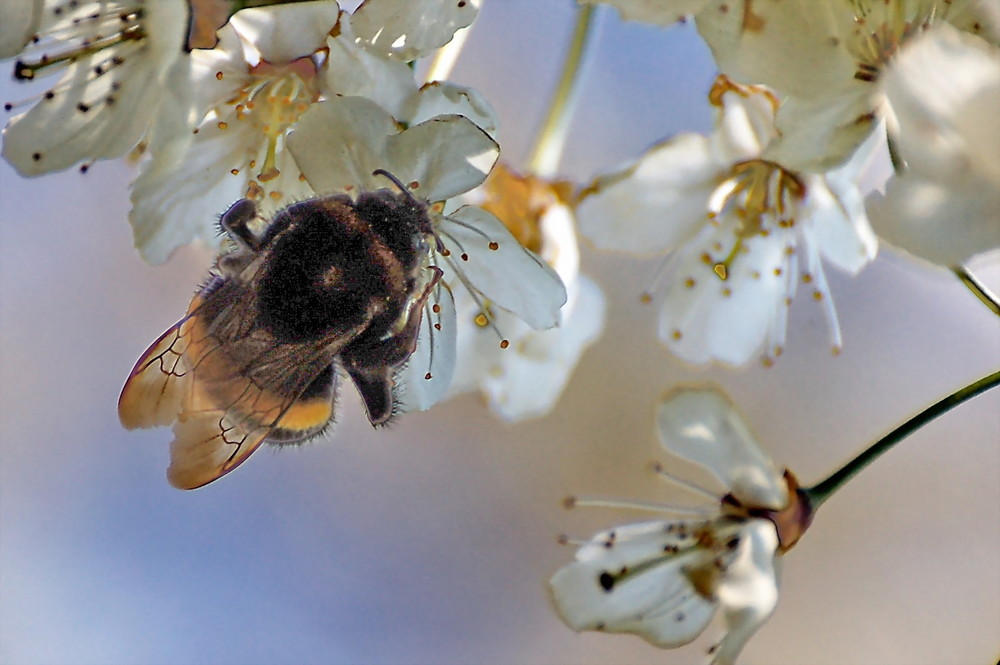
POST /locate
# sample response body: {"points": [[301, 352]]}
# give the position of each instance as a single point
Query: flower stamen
{"points": [[91, 41], [755, 192]]}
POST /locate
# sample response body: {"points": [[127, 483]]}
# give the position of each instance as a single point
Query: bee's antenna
{"points": [[408, 194], [402, 188]]}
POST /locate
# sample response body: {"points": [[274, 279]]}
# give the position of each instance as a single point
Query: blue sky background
{"points": [[430, 542]]}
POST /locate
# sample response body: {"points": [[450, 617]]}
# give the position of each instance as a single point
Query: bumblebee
{"points": [[331, 286]]}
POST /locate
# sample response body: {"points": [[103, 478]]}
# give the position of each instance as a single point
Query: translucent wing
{"points": [[228, 386]]}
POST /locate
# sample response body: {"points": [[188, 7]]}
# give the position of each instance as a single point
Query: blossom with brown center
{"points": [[665, 580]]}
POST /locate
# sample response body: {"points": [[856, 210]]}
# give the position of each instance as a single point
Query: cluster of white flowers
{"points": [[807, 93], [749, 213], [284, 103], [295, 100]]}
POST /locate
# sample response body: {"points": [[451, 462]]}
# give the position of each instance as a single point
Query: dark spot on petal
{"points": [[606, 580]]}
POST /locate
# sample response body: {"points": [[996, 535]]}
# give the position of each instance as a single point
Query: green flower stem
{"points": [[822, 491], [552, 137], [977, 288]]}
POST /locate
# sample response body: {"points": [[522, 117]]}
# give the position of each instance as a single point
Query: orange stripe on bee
{"points": [[218, 383], [307, 414]]}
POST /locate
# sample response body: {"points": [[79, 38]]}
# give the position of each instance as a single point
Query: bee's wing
{"points": [[222, 408], [154, 391], [209, 444]]}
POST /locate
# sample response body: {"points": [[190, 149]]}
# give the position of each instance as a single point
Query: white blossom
{"points": [[825, 58], [944, 91], [269, 66], [665, 580], [251, 89], [526, 379], [340, 142], [123, 68], [741, 232], [369, 52]]}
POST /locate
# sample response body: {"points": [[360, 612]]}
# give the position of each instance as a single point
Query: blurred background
{"points": [[431, 541]]}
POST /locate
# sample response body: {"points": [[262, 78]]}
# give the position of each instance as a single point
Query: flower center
{"points": [[790, 522], [881, 28], [761, 196], [272, 102], [519, 202]]}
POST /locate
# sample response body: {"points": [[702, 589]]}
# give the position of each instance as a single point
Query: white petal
{"points": [[283, 33], [18, 23], [434, 355], [355, 71], [656, 12], [412, 29], [440, 98], [496, 265], [818, 134], [977, 17], [702, 425], [799, 48], [559, 246], [527, 379], [744, 124], [705, 319], [218, 74], [447, 155], [339, 142], [478, 347], [945, 225], [654, 205], [658, 603], [100, 117], [180, 192], [838, 224], [748, 592], [189, 182], [944, 89]]}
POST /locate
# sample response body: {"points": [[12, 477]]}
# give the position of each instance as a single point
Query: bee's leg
{"points": [[236, 222], [375, 385], [373, 367]]}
